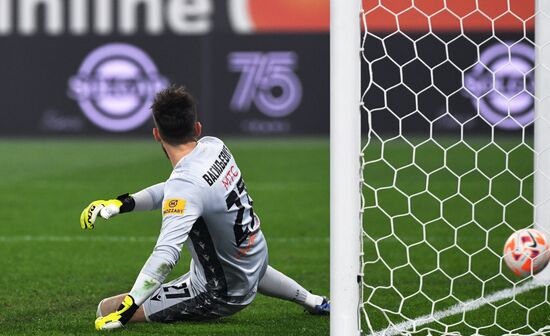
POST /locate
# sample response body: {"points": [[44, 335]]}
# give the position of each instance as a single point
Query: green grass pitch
{"points": [[54, 274], [53, 287]]}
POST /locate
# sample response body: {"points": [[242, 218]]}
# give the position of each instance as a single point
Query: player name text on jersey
{"points": [[218, 167]]}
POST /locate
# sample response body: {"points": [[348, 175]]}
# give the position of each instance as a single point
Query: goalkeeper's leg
{"points": [[276, 284], [110, 305]]}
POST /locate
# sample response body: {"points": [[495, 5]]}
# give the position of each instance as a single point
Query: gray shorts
{"points": [[178, 300]]}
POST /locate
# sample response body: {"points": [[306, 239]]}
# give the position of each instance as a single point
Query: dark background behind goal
{"points": [[282, 81]]}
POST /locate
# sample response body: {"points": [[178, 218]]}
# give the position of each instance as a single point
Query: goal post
{"points": [[542, 124], [345, 149]]}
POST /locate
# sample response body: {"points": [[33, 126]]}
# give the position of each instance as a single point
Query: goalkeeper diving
{"points": [[206, 207]]}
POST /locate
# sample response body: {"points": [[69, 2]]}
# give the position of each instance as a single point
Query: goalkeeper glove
{"points": [[119, 318], [106, 209]]}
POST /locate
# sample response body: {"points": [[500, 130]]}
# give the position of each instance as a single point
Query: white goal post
{"points": [[362, 307], [345, 148], [542, 123]]}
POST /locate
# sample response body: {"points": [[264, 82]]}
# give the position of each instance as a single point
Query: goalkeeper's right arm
{"points": [[147, 199]]}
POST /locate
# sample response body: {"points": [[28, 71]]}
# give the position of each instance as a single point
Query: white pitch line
{"points": [[135, 239], [458, 308]]}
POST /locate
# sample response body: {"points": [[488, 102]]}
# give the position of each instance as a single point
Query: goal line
{"points": [[462, 308]]}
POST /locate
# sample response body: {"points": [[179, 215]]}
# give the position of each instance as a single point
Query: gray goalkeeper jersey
{"points": [[205, 205]]}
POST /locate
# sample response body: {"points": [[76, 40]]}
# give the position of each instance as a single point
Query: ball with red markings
{"points": [[526, 252]]}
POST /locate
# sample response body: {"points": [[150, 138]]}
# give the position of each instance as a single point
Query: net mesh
{"points": [[448, 166]]}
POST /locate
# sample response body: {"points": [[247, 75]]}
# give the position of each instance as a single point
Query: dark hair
{"points": [[175, 114]]}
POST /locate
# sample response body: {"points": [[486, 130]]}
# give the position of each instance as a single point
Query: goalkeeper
{"points": [[205, 205]]}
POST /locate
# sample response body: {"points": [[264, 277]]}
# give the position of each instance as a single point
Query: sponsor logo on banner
{"points": [[267, 81], [503, 84], [115, 86]]}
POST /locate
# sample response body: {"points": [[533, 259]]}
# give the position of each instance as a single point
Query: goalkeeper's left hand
{"points": [[120, 317], [106, 209]]}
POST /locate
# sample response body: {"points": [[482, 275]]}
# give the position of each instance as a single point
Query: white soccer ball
{"points": [[526, 252]]}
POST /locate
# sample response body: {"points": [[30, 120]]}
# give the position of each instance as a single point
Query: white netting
{"points": [[449, 166]]}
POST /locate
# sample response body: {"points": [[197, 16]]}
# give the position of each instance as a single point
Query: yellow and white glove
{"points": [[119, 318], [143, 288], [105, 209]]}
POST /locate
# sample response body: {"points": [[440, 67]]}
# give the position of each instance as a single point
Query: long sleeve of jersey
{"points": [[149, 198], [181, 207]]}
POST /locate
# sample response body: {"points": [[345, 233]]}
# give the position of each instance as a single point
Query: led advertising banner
{"points": [[274, 85], [443, 66], [243, 84], [85, 67], [455, 85], [90, 67], [76, 86]]}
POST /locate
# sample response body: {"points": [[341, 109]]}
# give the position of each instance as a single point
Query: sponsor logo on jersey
{"points": [[115, 86], [174, 206], [217, 168]]}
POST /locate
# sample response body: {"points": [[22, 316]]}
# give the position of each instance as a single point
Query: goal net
{"points": [[455, 157]]}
